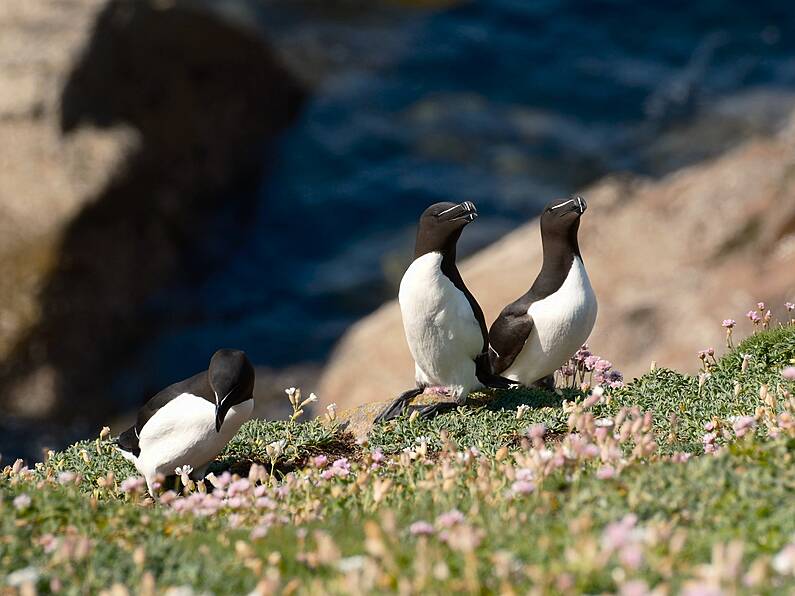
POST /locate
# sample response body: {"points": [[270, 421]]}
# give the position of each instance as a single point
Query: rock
{"points": [[132, 123], [358, 420], [669, 260]]}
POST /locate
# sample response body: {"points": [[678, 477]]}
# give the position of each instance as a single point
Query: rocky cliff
{"points": [[669, 259], [124, 126]]}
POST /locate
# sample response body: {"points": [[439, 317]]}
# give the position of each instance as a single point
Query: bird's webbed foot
{"points": [[433, 410], [399, 406]]}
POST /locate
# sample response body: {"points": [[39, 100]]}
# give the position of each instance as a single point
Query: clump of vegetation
{"points": [[671, 482]]}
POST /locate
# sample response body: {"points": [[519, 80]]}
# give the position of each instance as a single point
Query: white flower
{"points": [[311, 399], [184, 473], [784, 561], [353, 563], [331, 412], [294, 395], [275, 449], [20, 577], [521, 410]]}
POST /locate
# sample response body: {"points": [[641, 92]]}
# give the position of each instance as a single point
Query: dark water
{"points": [[505, 103]]}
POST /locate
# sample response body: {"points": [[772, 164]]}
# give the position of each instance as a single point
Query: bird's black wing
{"points": [[197, 385], [486, 375], [508, 335]]}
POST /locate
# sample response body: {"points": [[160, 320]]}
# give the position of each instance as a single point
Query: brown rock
{"points": [[669, 260], [160, 127]]}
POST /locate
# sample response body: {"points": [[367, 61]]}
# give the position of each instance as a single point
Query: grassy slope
{"points": [[351, 532]]}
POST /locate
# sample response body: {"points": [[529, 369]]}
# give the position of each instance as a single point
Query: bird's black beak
{"points": [[219, 419], [581, 204], [466, 212]]}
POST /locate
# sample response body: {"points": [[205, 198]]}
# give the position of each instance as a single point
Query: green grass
{"points": [[352, 533]]}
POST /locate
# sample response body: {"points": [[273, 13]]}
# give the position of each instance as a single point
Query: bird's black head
{"points": [[231, 378], [441, 225], [560, 220]]}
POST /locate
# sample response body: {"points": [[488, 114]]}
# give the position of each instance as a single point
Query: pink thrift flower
{"points": [[238, 487], [22, 502], [168, 497], [320, 461], [133, 484], [614, 379], [603, 365], [234, 502], [421, 528], [582, 353], [259, 532], [536, 431], [265, 503], [789, 306], [743, 425], [761, 306], [789, 373], [48, 542], [377, 456], [729, 323], [702, 589], [524, 474], [619, 534], [635, 587], [450, 519], [591, 362], [342, 466], [605, 472], [592, 400], [522, 487], [753, 316], [66, 477], [590, 451], [630, 556]]}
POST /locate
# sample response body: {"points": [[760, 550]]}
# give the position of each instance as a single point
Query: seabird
{"points": [[190, 422], [535, 335], [444, 325]]}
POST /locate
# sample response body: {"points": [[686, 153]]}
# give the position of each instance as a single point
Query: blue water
{"points": [[505, 103]]}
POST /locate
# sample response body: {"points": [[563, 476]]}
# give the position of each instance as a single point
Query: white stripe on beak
{"points": [[561, 205], [447, 210]]}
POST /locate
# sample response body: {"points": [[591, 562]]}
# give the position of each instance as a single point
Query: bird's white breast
{"points": [[441, 329], [183, 432], [562, 322]]}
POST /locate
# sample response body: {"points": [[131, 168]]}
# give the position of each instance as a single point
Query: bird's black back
{"points": [[197, 385]]}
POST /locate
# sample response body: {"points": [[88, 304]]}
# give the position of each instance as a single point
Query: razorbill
{"points": [[190, 422], [539, 332], [444, 325]]}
